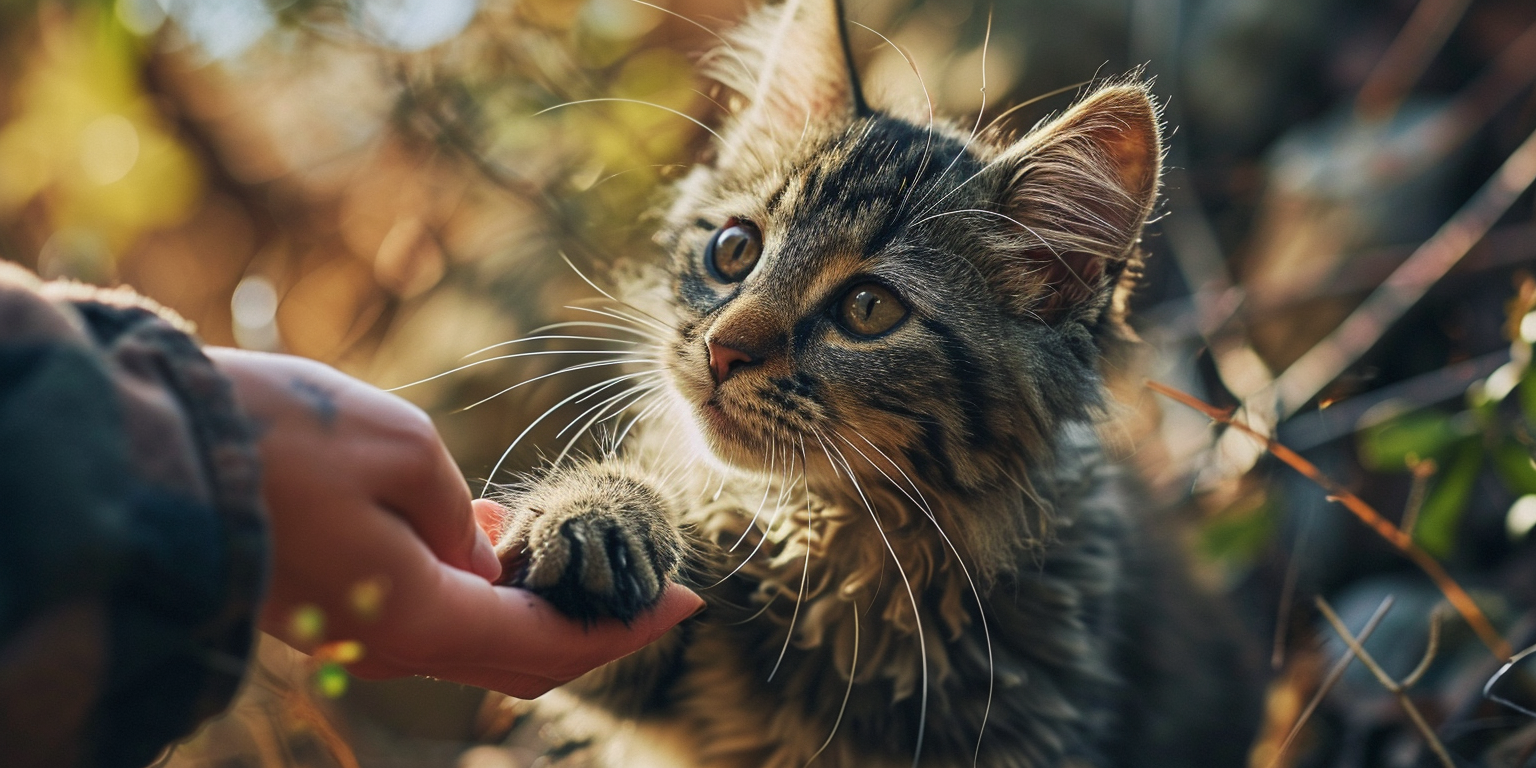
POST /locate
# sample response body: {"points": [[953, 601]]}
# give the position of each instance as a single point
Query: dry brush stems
{"points": [[1328, 681], [1367, 514], [1396, 688]]}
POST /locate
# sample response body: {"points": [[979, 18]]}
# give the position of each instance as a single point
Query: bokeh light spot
{"points": [[413, 25], [141, 17], [109, 148], [331, 680], [368, 598], [1521, 517], [307, 624], [341, 652], [254, 309], [224, 29]]}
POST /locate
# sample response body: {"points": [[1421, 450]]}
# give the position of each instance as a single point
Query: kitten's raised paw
{"points": [[591, 541]]}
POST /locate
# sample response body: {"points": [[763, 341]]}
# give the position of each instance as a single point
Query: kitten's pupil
{"points": [[870, 309], [734, 250], [864, 302]]}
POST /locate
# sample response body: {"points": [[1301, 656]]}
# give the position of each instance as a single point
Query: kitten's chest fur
{"points": [[811, 647]]}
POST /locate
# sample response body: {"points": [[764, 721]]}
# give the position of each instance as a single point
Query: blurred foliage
{"points": [[1495, 430]]}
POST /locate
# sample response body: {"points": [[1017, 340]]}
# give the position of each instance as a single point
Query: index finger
{"points": [[475, 624]]}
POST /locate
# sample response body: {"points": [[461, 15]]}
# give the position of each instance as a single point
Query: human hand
{"points": [[372, 525]]}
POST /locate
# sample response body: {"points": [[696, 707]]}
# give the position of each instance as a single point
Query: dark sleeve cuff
{"points": [[137, 533]]}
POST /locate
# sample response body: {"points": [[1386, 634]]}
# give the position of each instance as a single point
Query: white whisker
{"points": [[508, 452], [853, 671], [805, 573], [567, 369], [537, 353], [981, 609], [922, 642], [683, 115], [548, 338], [659, 323]]}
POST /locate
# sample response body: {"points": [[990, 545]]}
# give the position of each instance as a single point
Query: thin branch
{"points": [[1397, 689], [1367, 514], [1329, 680], [1423, 470], [1408, 283], [1430, 649], [1409, 55]]}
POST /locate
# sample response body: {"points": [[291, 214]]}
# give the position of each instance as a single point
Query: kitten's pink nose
{"points": [[724, 361]]}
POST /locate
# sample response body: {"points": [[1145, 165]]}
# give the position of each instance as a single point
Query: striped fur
{"points": [[912, 545]]}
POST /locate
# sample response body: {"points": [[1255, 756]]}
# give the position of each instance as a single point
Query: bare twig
{"points": [[1329, 680], [1408, 283], [1367, 514], [1423, 470], [1431, 648], [1409, 55], [1400, 690]]}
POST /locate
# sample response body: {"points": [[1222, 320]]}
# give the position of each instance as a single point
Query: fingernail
{"points": [[484, 560]]}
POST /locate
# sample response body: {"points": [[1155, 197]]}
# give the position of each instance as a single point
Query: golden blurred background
{"points": [[1345, 256]]}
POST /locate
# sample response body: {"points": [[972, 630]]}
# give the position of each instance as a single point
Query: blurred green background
{"points": [[375, 184]]}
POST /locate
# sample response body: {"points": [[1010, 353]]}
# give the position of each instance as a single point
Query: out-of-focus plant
{"points": [[89, 147], [1493, 430]]}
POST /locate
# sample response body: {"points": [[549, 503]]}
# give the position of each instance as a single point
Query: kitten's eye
{"points": [[733, 251], [870, 309]]}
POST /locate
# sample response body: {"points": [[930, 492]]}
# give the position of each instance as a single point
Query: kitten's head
{"points": [[862, 285]]}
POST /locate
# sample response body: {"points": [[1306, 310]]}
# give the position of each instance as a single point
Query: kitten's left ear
{"points": [[1081, 187], [791, 61]]}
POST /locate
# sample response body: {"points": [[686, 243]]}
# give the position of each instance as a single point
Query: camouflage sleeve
{"points": [[133, 544]]}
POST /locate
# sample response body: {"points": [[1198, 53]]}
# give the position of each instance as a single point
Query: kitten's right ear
{"points": [[791, 62], [1080, 189]]}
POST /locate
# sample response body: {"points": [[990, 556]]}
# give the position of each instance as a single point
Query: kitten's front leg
{"points": [[592, 540]]}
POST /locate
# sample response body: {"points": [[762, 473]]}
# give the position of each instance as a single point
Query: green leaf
{"points": [[1516, 467], [1436, 529], [1424, 434], [1239, 536]]}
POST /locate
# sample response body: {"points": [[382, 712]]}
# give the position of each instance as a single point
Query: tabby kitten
{"points": [[873, 451]]}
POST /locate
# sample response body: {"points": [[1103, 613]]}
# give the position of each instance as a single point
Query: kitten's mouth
{"points": [[717, 418]]}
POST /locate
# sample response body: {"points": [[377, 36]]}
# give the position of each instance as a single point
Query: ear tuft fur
{"points": [[789, 61], [1080, 188]]}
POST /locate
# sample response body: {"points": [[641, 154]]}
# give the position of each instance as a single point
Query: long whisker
{"points": [[1002, 157], [549, 338], [928, 142], [986, 39], [611, 403], [661, 324], [981, 609], [567, 369], [617, 315], [922, 642], [683, 115], [773, 456], [767, 534], [745, 70], [639, 417], [592, 324], [584, 390], [1026, 228], [805, 573], [538, 353], [853, 672]]}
